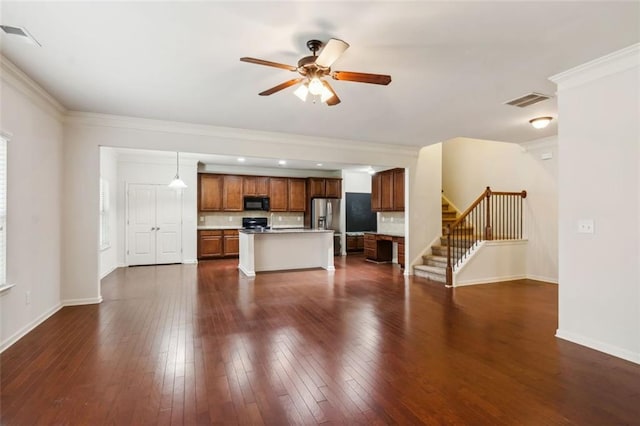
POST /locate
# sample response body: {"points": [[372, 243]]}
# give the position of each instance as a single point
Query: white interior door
{"points": [[153, 225], [168, 225]]}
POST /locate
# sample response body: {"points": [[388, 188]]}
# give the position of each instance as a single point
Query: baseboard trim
{"points": [[109, 271], [543, 279], [78, 302], [599, 346], [490, 280], [190, 261], [27, 328]]}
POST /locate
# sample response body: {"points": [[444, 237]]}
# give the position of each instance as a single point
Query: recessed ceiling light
{"points": [[319, 164], [241, 159], [282, 162], [540, 122]]}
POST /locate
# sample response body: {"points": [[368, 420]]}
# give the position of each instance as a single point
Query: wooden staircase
{"points": [[434, 265], [494, 215]]}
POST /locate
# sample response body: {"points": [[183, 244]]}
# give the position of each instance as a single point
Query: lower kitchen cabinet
{"points": [[231, 246], [209, 244], [355, 243], [218, 243]]}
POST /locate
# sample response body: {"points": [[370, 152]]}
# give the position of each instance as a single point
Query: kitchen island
{"points": [[283, 249]]}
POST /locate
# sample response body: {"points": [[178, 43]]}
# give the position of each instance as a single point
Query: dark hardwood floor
{"points": [[185, 344]]}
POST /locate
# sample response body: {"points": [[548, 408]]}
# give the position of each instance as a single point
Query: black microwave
{"points": [[256, 203]]}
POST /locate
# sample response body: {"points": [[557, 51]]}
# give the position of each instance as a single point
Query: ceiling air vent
{"points": [[528, 99], [20, 32]]}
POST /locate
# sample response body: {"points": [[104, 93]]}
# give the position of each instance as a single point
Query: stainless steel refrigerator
{"points": [[325, 214]]}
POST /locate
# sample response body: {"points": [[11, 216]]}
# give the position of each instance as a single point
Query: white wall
{"points": [[153, 170], [470, 165], [422, 201], [109, 172], [85, 133], [494, 261], [356, 182], [34, 121], [599, 151]]}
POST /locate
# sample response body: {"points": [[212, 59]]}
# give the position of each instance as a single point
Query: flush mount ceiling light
{"points": [[540, 122], [241, 160], [282, 162], [314, 68], [177, 183]]}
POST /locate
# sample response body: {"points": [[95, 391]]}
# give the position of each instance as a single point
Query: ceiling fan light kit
{"points": [[313, 70]]}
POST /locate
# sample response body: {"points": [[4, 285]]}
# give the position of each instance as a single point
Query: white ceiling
{"points": [[453, 64]]}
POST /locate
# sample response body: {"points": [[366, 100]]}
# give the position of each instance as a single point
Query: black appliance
{"points": [[254, 223], [256, 203]]}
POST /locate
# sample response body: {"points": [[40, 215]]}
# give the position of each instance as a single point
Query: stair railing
{"points": [[492, 216]]}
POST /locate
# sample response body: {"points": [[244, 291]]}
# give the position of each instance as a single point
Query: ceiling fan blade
{"points": [[279, 87], [362, 77], [331, 52], [268, 63], [334, 100]]}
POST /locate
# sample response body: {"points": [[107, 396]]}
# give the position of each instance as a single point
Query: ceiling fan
{"points": [[313, 69]]}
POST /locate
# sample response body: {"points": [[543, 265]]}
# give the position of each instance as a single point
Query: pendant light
{"points": [[177, 183]]}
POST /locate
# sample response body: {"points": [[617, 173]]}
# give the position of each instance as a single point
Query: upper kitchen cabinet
{"points": [[210, 188], [255, 186], [297, 195], [232, 193], [387, 191], [398, 190], [333, 188], [324, 187], [375, 192], [279, 191]]}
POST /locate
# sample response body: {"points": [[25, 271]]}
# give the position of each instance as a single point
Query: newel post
{"points": [[488, 232], [449, 275]]}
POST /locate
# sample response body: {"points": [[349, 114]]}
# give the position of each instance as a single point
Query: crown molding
{"points": [[14, 76], [612, 63], [231, 133]]}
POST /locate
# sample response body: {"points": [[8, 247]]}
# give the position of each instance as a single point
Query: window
{"points": [[104, 214], [3, 213]]}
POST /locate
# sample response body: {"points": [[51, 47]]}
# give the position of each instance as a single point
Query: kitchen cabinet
{"points": [[379, 248], [232, 193], [210, 244], [387, 191], [218, 243], [324, 188], [231, 243], [279, 194], [333, 188], [355, 243], [210, 190], [255, 186], [398, 190], [297, 195], [375, 192]]}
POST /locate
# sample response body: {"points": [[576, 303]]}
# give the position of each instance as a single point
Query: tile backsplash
{"points": [[234, 219], [391, 222]]}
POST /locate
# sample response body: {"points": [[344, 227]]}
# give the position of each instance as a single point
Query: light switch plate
{"points": [[585, 226]]}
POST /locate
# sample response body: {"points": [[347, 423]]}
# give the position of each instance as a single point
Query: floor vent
{"points": [[20, 32], [528, 99]]}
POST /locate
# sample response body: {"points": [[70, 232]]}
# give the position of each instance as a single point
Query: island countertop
{"points": [[286, 231]]}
